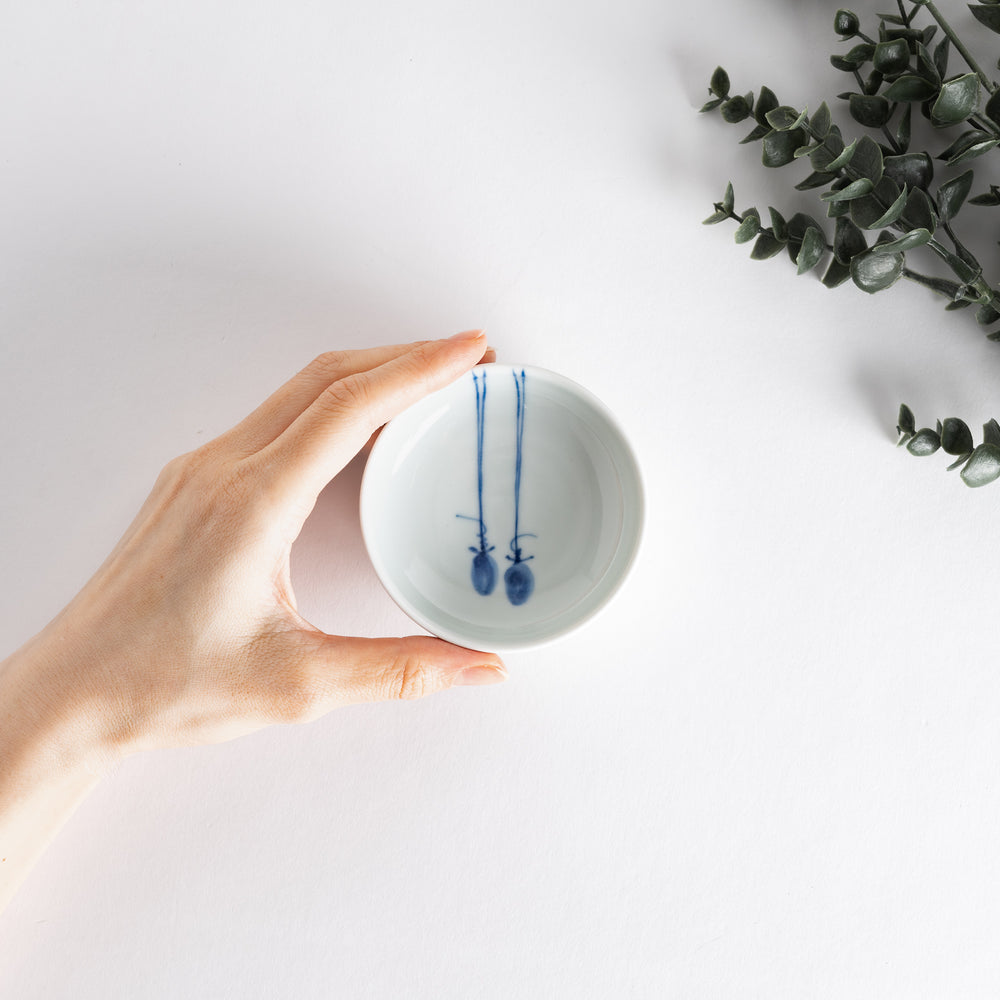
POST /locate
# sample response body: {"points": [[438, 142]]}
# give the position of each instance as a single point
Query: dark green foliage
{"points": [[872, 181], [846, 23], [980, 464]]}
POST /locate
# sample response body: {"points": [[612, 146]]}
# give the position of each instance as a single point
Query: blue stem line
{"points": [[484, 569], [518, 580], [519, 389], [480, 431]]}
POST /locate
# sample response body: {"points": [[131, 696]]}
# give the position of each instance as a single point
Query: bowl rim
{"points": [[512, 644]]}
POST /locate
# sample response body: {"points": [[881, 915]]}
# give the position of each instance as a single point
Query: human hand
{"points": [[189, 632]]}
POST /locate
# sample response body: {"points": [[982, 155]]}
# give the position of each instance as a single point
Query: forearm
{"points": [[49, 761]]}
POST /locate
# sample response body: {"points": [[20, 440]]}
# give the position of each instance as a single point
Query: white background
{"points": [[769, 770]]}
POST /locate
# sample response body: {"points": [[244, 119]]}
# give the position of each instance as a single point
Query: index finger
{"points": [[334, 428]]}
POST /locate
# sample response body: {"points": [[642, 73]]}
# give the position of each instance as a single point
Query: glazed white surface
{"points": [[577, 490], [768, 770]]}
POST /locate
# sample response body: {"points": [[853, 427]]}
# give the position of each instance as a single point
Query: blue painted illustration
{"points": [[484, 567], [518, 580]]}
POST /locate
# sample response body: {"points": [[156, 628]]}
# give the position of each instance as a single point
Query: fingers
{"points": [[311, 673], [336, 425], [368, 670], [277, 412]]}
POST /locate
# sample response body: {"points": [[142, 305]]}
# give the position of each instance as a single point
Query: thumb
{"points": [[365, 670]]}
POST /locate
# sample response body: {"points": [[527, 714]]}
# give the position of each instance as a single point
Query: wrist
{"points": [[50, 759], [48, 723]]}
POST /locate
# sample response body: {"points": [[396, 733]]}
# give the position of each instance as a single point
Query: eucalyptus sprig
{"points": [[980, 463], [878, 191]]}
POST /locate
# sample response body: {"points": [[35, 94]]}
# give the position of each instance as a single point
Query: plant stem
{"points": [[902, 13], [957, 42]]}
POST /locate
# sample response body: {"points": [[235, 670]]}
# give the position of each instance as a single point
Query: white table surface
{"points": [[768, 770]]}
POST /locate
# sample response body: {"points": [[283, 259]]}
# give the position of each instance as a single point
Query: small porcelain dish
{"points": [[503, 511]]}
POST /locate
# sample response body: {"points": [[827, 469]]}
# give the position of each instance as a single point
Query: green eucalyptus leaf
{"points": [[895, 209], [857, 56], [729, 198], [848, 241], [822, 121], [987, 314], [784, 118], [983, 467], [766, 101], [778, 225], [992, 109], [968, 139], [973, 151], [715, 217], [867, 160], [941, 51], [910, 88], [719, 84], [990, 16], [924, 442], [846, 23], [766, 246], [956, 438], [779, 147], [798, 225], [829, 148], [891, 57], [943, 286], [836, 274], [882, 207], [903, 130], [952, 194], [813, 248], [749, 227], [914, 238], [711, 105], [873, 83], [735, 110], [815, 180], [856, 189], [990, 198], [956, 100], [872, 111], [913, 170], [919, 212], [873, 272], [841, 159], [991, 432], [906, 423], [755, 134], [926, 66]]}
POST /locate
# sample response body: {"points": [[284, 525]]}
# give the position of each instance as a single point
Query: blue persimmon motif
{"points": [[484, 567], [519, 581]]}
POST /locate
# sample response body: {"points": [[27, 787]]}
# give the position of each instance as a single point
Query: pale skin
{"points": [[189, 632]]}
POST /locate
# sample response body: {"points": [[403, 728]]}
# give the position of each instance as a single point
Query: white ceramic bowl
{"points": [[550, 465]]}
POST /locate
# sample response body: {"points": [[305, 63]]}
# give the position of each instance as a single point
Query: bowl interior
{"points": [[504, 510]]}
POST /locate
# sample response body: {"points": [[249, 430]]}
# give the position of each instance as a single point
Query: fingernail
{"points": [[480, 675], [468, 335]]}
